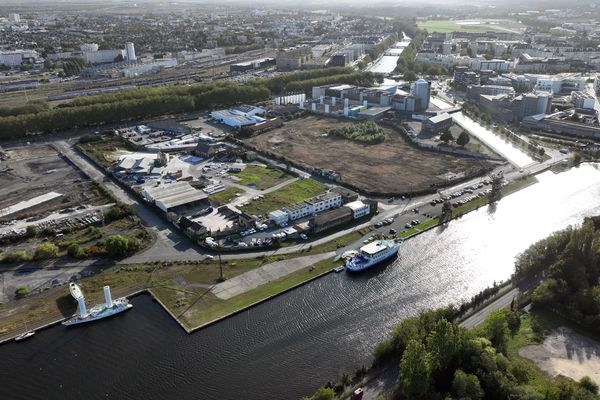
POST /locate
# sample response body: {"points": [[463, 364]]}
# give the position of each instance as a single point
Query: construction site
{"points": [[391, 166], [36, 180]]}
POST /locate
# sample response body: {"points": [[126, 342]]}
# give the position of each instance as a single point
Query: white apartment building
{"points": [[359, 209], [313, 206]]}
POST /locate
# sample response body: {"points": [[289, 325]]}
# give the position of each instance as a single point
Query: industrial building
{"points": [[293, 58], [421, 90], [583, 100], [240, 116], [437, 123], [17, 57], [250, 65], [173, 197]]}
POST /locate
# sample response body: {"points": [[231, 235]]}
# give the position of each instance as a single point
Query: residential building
{"points": [[279, 217], [478, 64], [314, 205]]}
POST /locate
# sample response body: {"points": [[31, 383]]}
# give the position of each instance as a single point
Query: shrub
{"points": [[75, 251], [16, 256], [365, 132], [45, 251], [21, 292], [116, 245]]}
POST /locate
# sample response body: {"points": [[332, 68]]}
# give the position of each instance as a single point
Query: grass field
{"points": [[448, 25], [260, 177], [224, 197], [293, 193]]}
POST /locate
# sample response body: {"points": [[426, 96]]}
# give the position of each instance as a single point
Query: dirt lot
{"points": [[392, 166], [565, 352], [30, 171]]}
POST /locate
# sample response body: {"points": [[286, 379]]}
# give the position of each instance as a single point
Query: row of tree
{"points": [[151, 102]]}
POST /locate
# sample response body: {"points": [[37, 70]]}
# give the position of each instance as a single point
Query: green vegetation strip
{"points": [[293, 193], [220, 198], [261, 177]]}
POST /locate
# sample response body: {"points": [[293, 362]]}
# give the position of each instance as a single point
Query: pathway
{"points": [[267, 273]]}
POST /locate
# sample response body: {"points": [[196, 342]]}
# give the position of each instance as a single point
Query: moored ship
{"points": [[372, 254], [109, 308]]}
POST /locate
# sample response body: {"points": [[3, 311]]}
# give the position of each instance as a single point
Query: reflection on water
{"points": [[289, 346], [497, 143]]}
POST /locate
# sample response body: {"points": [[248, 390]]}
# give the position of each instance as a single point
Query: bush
{"points": [[31, 231], [116, 245], [75, 251], [45, 251], [16, 256], [21, 292], [365, 132]]}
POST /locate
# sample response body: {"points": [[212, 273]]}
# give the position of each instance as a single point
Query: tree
{"points": [[116, 245], [324, 394], [466, 386], [75, 251], [45, 251], [588, 385], [446, 137], [444, 344], [463, 139], [496, 329], [410, 76], [415, 372]]}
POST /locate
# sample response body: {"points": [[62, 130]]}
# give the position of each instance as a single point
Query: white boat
{"points": [[25, 335], [339, 268], [75, 291], [372, 254], [107, 309]]}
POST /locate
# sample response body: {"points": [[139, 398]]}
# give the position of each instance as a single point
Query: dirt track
{"points": [[388, 167], [565, 352]]}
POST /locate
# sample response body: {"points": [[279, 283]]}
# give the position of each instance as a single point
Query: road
{"points": [[502, 302], [170, 243]]}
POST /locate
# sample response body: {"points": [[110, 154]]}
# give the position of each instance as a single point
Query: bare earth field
{"points": [[392, 166], [34, 170], [565, 352]]}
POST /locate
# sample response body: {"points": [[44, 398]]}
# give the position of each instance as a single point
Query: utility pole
{"points": [[221, 276]]}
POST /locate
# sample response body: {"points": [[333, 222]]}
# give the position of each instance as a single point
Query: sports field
{"points": [[449, 25]]}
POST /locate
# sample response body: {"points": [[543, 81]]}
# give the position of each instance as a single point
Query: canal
{"points": [[287, 347]]}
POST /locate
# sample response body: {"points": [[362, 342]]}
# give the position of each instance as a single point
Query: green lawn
{"points": [[260, 177], [295, 192], [448, 25], [419, 228], [209, 307], [220, 198]]}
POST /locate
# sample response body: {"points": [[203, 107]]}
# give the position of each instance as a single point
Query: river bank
{"points": [[185, 290], [297, 341]]}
